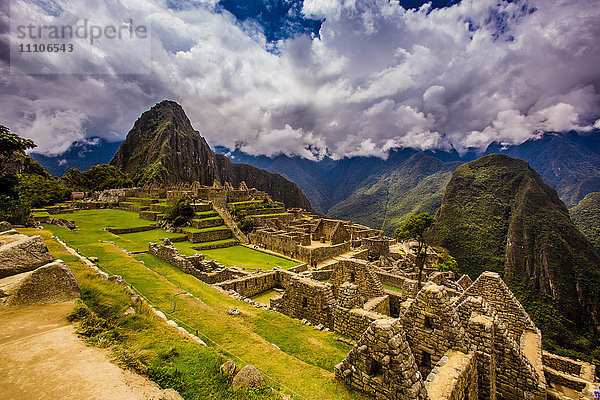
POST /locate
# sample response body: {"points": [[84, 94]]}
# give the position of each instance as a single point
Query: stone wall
{"points": [[321, 253], [257, 283], [87, 205], [208, 236], [215, 246], [322, 274], [396, 300], [482, 330], [433, 327], [562, 364], [492, 288], [515, 377], [360, 273], [354, 322], [462, 372], [382, 365], [307, 299], [377, 246], [380, 305], [278, 241], [116, 195], [207, 271], [120, 231], [407, 286]]}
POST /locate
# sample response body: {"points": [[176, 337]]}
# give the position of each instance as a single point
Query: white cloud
{"points": [[378, 77]]}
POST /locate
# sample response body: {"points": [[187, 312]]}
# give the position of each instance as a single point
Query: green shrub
{"points": [[246, 225], [39, 190], [181, 213]]}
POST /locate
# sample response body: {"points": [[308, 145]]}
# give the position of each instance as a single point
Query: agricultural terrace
{"points": [[295, 358]]}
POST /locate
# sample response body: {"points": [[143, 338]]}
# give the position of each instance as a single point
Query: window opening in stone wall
{"points": [[376, 368], [427, 323], [304, 302], [425, 366], [352, 277]]}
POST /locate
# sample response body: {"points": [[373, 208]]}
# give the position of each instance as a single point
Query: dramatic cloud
{"points": [[376, 77]]}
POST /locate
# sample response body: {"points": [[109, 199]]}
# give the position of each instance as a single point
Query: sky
{"points": [[340, 78]]}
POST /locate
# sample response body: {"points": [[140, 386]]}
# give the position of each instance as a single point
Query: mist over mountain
{"points": [[380, 193]]}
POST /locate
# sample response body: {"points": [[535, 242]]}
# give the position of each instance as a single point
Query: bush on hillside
{"points": [[181, 213]]}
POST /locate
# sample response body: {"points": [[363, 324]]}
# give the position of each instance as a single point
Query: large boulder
{"points": [[5, 226], [248, 377], [21, 253], [51, 283]]}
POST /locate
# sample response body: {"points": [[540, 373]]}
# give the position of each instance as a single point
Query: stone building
{"points": [[312, 239]]}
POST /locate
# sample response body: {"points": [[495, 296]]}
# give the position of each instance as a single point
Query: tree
{"points": [[415, 228], [10, 142], [180, 213], [246, 225], [12, 208]]}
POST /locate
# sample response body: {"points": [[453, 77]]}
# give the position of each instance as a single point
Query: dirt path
{"points": [[41, 357]]}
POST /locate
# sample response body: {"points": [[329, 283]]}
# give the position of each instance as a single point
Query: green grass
{"points": [[201, 213], [303, 364], [145, 198], [212, 228], [265, 296], [206, 219], [144, 342], [237, 203], [392, 288], [269, 215], [138, 241], [248, 258]]}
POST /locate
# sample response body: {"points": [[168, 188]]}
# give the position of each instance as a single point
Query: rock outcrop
{"points": [[21, 253], [51, 283], [228, 368]]}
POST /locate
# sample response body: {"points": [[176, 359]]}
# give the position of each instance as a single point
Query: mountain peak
{"points": [[163, 148], [498, 215]]}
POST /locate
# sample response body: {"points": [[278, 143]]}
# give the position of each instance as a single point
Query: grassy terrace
{"points": [[302, 361], [90, 225], [265, 296], [392, 288], [212, 228], [144, 342], [201, 214]]}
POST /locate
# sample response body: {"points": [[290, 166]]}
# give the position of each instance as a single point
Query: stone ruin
{"points": [[29, 274], [450, 340], [208, 271], [311, 238]]}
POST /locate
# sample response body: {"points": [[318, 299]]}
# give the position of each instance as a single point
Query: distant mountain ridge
{"points": [[586, 215], [569, 162], [163, 148], [355, 188], [81, 155], [498, 215], [381, 193]]}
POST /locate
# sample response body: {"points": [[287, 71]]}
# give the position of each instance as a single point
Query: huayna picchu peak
{"points": [[163, 148]]}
